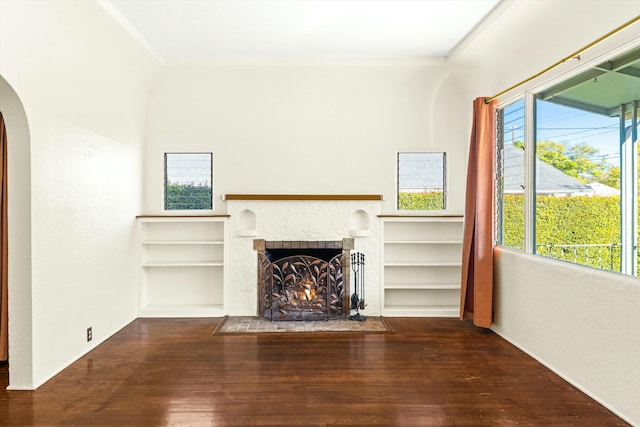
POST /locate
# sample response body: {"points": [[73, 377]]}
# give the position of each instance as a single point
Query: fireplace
{"points": [[303, 280]]}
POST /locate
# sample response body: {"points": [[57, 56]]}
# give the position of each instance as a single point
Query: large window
{"points": [[421, 181], [188, 181], [577, 186], [578, 166]]}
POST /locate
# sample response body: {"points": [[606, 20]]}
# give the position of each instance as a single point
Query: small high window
{"points": [[421, 181], [188, 181]]}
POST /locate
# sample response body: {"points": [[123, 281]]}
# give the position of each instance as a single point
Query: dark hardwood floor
{"points": [[429, 372]]}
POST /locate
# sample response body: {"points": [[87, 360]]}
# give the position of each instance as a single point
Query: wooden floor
{"points": [[429, 372]]}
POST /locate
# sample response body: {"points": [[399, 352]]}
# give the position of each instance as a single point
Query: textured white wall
{"points": [[297, 220], [580, 322], [83, 82], [307, 128], [19, 220], [524, 37]]}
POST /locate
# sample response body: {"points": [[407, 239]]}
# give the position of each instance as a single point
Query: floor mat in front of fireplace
{"points": [[256, 325]]}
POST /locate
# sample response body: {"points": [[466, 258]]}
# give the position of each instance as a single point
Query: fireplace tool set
{"points": [[357, 299]]}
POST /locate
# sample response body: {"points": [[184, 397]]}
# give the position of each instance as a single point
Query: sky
{"points": [[567, 125], [188, 168]]}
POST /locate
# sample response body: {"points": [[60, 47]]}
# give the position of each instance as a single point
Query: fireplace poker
{"points": [[362, 282], [357, 265]]}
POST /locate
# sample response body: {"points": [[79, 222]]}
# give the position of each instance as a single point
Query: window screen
{"points": [[188, 181], [421, 181]]}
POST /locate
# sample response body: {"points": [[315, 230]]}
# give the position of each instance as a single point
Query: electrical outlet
{"points": [[89, 334]]}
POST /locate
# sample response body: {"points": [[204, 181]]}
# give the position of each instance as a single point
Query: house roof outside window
{"points": [[549, 180]]}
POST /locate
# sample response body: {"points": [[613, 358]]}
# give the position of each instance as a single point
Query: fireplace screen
{"points": [[302, 283]]}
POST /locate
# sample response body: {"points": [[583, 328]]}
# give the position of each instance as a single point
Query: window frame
{"points": [[166, 181], [629, 159], [499, 181], [444, 182]]}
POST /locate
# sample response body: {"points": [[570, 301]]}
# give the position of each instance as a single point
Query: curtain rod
{"points": [[575, 54]]}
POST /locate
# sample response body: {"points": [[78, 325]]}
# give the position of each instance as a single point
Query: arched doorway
{"points": [[19, 237]]}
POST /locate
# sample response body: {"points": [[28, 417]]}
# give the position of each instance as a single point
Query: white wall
{"points": [[83, 82], [304, 220], [523, 37], [19, 222], [306, 128], [324, 128], [580, 322]]}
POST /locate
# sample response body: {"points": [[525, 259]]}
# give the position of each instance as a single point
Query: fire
{"points": [[304, 291]]}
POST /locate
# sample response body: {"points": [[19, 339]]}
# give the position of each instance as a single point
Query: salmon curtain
{"points": [[476, 298], [4, 277]]}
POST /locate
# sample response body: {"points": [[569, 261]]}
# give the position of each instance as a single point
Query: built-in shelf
{"points": [[182, 262], [184, 242], [423, 264], [420, 310], [422, 286], [302, 197], [422, 261], [423, 242]]}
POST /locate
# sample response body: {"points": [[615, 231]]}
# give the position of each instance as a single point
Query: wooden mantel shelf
{"points": [[421, 216], [302, 197], [183, 216]]}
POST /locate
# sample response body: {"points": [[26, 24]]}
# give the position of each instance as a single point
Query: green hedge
{"points": [[564, 220], [513, 221], [583, 220], [569, 221], [187, 197], [559, 221], [433, 201]]}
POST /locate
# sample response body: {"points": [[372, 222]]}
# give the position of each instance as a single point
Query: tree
{"points": [[556, 154], [576, 161], [581, 154], [611, 177]]}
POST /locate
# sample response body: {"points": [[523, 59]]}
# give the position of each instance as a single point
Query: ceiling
{"points": [[601, 89], [209, 30]]}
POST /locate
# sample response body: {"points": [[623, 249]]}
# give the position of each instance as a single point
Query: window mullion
{"points": [[529, 174], [628, 206], [499, 179], [633, 191]]}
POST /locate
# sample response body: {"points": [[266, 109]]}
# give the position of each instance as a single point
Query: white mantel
{"points": [[298, 218]]}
